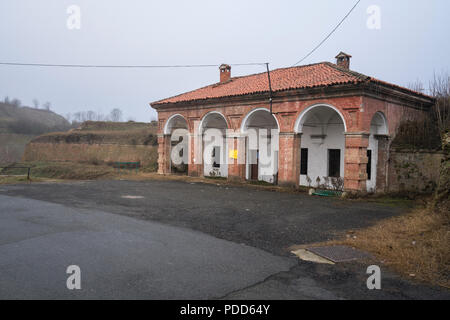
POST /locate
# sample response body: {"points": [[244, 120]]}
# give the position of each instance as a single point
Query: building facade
{"points": [[333, 126]]}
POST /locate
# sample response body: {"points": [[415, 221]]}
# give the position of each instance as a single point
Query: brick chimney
{"points": [[225, 72], [343, 60]]}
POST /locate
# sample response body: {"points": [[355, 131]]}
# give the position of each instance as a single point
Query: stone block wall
{"points": [[416, 171]]}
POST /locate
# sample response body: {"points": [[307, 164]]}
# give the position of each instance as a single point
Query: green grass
{"points": [[12, 180], [51, 171], [261, 183], [392, 200], [216, 178]]}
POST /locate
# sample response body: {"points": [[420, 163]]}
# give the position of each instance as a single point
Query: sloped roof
{"points": [[308, 76]]}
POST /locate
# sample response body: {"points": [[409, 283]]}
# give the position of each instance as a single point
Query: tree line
{"points": [[17, 103], [115, 115]]}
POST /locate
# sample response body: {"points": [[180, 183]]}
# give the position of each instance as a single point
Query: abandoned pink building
{"points": [[331, 122]]}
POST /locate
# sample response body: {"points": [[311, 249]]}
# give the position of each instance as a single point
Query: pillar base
{"points": [[355, 176], [289, 159]]}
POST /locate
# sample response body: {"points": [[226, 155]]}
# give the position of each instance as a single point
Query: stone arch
{"points": [[173, 121], [176, 144], [262, 147], [322, 128], [249, 115], [298, 127], [203, 121], [379, 122], [375, 159], [214, 148]]}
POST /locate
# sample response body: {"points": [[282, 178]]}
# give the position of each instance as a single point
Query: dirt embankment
{"points": [[98, 143]]}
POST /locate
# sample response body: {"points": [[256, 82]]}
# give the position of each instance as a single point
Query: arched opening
{"points": [[261, 129], [213, 129], [177, 128], [378, 127], [322, 146]]}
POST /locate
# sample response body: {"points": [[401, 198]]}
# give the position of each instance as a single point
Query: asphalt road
{"points": [[271, 221], [119, 257], [177, 240]]}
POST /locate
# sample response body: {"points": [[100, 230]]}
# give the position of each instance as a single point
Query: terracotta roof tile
{"points": [[308, 76]]}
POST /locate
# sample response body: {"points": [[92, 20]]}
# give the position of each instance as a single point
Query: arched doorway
{"points": [[177, 129], [378, 127], [322, 146], [261, 129], [213, 129]]}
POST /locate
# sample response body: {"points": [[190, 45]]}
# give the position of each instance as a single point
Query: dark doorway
{"points": [[181, 168], [304, 161], [254, 167], [369, 165], [334, 163], [216, 157]]}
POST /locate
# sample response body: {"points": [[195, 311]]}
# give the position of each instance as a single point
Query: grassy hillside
{"points": [[117, 126], [19, 125], [100, 132], [25, 120]]}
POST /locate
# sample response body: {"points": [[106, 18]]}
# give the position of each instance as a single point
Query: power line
{"points": [[171, 66], [329, 35], [124, 66]]}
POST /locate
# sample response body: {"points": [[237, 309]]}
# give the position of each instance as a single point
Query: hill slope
{"points": [[18, 125], [25, 120]]}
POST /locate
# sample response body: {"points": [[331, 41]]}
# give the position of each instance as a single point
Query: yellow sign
{"points": [[233, 154]]}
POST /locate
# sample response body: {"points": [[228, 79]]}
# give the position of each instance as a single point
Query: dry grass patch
{"points": [[45, 171], [12, 180], [416, 245]]}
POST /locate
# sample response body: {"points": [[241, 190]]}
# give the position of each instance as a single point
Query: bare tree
{"points": [[47, 106], [102, 117], [83, 116], [116, 115], [440, 89], [36, 103], [16, 103], [416, 86], [77, 116], [91, 116], [6, 100]]}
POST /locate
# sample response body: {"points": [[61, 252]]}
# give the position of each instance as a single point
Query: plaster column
{"points": [[289, 159], [355, 166]]}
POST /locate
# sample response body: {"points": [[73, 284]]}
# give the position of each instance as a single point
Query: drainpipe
{"points": [[270, 87], [386, 188]]}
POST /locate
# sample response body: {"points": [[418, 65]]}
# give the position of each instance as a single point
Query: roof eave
{"points": [[374, 89], [254, 95]]}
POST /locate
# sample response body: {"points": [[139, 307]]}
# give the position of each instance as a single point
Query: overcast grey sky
{"points": [[411, 44]]}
